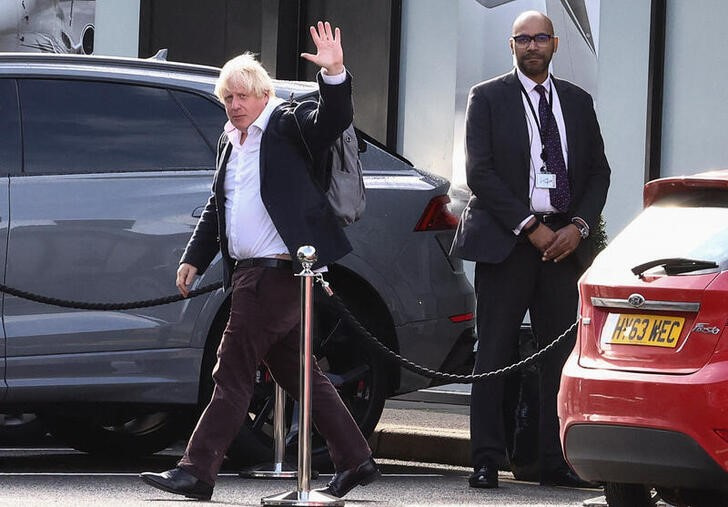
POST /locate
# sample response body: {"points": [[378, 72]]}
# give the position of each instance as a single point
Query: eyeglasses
{"points": [[523, 41]]}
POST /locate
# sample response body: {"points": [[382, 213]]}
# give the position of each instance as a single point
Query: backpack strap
{"points": [[294, 106], [222, 143]]}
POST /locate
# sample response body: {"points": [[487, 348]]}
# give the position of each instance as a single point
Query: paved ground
{"points": [[44, 477], [422, 448], [423, 432], [433, 426]]}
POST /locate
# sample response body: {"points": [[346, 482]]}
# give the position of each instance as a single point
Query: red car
{"points": [[643, 404]]}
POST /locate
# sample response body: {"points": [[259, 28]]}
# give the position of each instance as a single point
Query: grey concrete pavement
{"points": [[423, 428], [423, 432]]}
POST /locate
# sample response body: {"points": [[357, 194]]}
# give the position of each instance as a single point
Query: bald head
{"points": [[529, 17]]}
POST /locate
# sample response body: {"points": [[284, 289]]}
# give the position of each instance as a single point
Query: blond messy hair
{"points": [[245, 72]]}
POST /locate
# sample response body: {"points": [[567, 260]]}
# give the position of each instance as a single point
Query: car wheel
{"points": [[355, 370], [131, 435], [628, 495], [21, 428]]}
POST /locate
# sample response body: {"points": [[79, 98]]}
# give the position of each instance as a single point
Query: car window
{"points": [[208, 115], [9, 128], [72, 126], [697, 230]]}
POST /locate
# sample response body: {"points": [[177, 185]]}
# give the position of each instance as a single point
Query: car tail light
{"points": [[437, 217], [461, 317], [723, 433]]}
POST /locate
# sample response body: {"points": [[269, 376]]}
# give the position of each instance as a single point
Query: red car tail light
{"points": [[461, 317], [437, 217]]}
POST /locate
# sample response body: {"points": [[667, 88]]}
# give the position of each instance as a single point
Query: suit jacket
{"points": [[497, 166], [289, 187]]}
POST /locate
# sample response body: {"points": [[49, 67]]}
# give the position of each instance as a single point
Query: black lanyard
{"points": [[533, 111]]}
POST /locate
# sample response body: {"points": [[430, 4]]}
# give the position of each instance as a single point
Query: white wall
{"points": [[117, 28], [694, 133], [622, 104], [427, 83], [574, 59]]}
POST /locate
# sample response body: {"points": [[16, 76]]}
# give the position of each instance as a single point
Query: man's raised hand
{"points": [[329, 53]]}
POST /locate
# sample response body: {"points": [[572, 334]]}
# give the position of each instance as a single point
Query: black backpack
{"points": [[345, 192]]}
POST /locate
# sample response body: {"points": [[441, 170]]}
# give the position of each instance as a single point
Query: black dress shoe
{"points": [[343, 482], [565, 477], [484, 477], [179, 482]]}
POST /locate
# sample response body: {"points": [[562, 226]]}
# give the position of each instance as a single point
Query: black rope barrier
{"points": [[82, 305], [345, 312], [452, 378]]}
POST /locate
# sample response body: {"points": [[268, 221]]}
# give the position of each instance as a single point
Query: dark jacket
{"points": [[289, 189], [498, 164]]}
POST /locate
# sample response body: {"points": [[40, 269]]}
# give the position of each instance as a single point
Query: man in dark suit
{"points": [[536, 167], [264, 205]]}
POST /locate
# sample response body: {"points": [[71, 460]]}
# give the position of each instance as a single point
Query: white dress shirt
{"points": [[539, 198], [249, 228], [248, 225]]}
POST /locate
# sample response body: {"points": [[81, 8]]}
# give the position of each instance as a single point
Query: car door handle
{"points": [[197, 212]]}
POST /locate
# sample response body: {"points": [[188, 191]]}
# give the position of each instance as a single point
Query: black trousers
{"points": [[504, 292], [264, 327]]}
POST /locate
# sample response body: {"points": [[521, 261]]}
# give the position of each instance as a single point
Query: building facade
{"points": [[654, 67]]}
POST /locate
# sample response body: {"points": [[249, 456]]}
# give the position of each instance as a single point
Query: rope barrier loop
{"points": [[452, 378], [344, 311]]}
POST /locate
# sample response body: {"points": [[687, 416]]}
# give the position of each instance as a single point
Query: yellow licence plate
{"points": [[651, 330]]}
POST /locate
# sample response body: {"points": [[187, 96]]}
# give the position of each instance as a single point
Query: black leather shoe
{"points": [[484, 477], [343, 482], [179, 482], [565, 477]]}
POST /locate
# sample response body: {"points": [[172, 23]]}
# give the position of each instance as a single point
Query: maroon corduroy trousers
{"points": [[264, 326]]}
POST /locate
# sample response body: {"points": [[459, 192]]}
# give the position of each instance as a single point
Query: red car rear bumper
{"points": [[657, 429]]}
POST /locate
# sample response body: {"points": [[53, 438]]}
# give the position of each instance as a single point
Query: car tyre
{"points": [[628, 495], [131, 436], [21, 428]]}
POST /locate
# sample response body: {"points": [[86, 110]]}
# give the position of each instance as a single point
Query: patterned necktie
{"points": [[552, 155]]}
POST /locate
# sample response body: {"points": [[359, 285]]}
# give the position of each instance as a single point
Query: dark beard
{"points": [[534, 68]]}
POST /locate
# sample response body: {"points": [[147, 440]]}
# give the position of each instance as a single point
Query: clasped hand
{"points": [[555, 245]]}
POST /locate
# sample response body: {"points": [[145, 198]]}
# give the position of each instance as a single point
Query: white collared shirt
{"points": [[248, 226], [540, 200]]}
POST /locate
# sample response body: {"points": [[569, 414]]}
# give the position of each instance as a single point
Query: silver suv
{"points": [[106, 165]]}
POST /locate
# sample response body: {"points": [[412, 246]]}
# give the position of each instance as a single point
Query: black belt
{"points": [[264, 262], [552, 218]]}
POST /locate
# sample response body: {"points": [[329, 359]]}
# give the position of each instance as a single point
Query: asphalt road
{"points": [[58, 476], [48, 474]]}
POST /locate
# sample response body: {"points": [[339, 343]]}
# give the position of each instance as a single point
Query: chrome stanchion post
{"points": [[279, 432], [279, 469], [303, 495]]}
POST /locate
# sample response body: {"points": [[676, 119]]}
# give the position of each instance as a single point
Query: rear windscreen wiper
{"points": [[675, 265]]}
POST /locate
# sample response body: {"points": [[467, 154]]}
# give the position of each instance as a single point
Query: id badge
{"points": [[545, 180]]}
